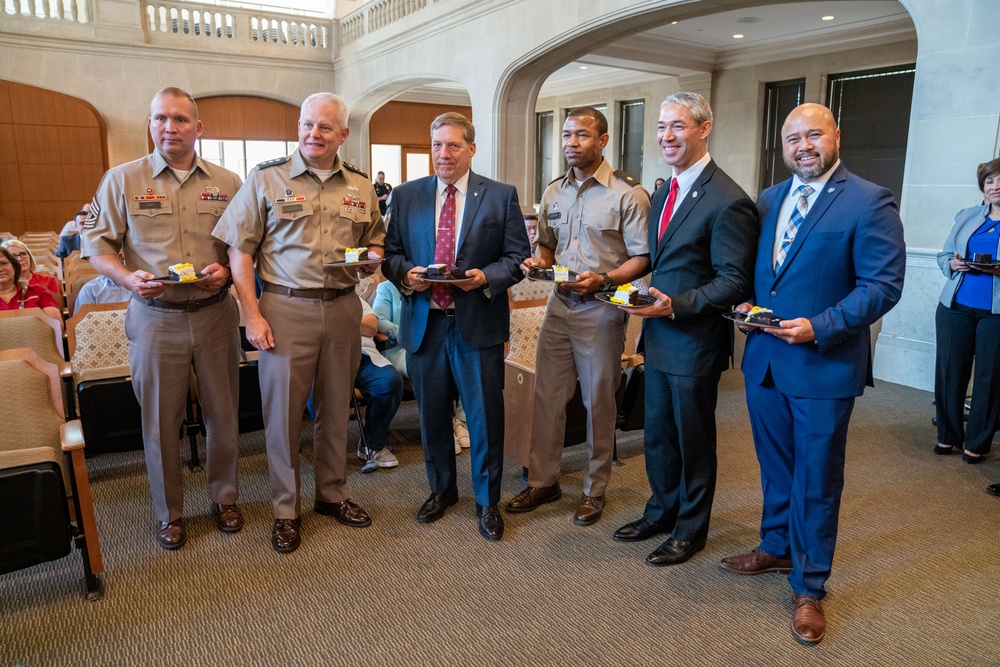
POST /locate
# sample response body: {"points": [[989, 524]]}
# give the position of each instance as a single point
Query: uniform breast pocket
{"points": [[212, 209], [601, 221], [151, 221], [355, 214]]}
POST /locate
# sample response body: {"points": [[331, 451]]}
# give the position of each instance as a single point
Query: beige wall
{"points": [[738, 100]]}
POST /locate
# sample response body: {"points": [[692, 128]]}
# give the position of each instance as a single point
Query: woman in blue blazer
{"points": [[968, 325]]}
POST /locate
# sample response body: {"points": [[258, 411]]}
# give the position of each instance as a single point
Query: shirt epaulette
{"points": [[356, 170], [559, 178], [623, 176], [273, 163]]}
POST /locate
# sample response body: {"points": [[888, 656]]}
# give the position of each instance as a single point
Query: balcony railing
{"points": [[191, 22], [73, 11], [376, 15]]}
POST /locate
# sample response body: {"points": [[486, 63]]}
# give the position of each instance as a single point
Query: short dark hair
{"points": [[531, 216], [590, 112], [987, 170], [4, 253]]}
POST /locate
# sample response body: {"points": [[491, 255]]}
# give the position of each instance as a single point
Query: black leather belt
{"points": [[319, 293], [576, 297], [449, 312], [187, 306]]}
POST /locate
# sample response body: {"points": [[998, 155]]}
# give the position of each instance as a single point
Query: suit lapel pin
{"points": [[830, 190], [475, 194], [694, 193]]}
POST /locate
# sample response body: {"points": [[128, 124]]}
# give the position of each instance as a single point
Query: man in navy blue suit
{"points": [[454, 336], [830, 263]]}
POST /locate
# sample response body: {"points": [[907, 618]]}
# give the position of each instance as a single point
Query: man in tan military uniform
{"points": [[295, 215], [593, 221], [160, 211]]}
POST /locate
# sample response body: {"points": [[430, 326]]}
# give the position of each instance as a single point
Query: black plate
{"points": [[983, 265], [167, 279], [362, 262], [444, 281], [545, 275], [741, 318], [644, 300]]}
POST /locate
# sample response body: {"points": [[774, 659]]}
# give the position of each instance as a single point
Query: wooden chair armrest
{"points": [[520, 365], [71, 435]]}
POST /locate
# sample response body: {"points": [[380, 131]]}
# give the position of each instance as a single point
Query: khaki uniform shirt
{"points": [[142, 208], [293, 224], [596, 227]]}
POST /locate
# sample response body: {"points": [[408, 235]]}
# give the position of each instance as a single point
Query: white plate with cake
{"points": [[183, 274], [757, 318], [557, 274]]}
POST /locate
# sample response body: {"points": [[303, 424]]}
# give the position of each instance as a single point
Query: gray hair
{"points": [[174, 91], [695, 104], [15, 243], [343, 115]]}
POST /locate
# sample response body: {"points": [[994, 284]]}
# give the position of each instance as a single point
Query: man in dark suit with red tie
{"points": [[702, 234], [454, 333]]}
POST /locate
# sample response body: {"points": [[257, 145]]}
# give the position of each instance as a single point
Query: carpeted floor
{"points": [[914, 583]]}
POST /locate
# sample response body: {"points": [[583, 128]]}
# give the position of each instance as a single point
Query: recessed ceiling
{"points": [[706, 43]]}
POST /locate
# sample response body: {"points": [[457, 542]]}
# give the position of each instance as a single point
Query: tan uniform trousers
{"points": [[163, 347], [316, 347], [585, 340]]}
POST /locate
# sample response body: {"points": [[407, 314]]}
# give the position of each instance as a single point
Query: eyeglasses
{"points": [[19, 255]]}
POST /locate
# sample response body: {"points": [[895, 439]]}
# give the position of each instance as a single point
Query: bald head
{"points": [[810, 141]]}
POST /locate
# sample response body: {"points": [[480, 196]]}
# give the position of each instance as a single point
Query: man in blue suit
{"points": [[830, 263], [454, 334]]}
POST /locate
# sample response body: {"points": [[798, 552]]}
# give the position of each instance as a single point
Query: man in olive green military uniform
{"points": [[592, 221], [294, 216], [160, 211]]}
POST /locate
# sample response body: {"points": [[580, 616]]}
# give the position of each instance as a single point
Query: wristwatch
{"points": [[608, 284]]}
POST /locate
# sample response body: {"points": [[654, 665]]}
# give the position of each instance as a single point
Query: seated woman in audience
{"points": [[16, 295], [29, 270], [968, 325]]}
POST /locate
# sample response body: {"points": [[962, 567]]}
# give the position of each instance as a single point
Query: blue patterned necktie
{"points": [[798, 215]]}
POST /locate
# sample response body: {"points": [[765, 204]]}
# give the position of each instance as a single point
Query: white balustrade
{"points": [[375, 15], [172, 19], [73, 11]]}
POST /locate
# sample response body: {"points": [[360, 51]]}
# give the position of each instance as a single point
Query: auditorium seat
{"points": [[45, 496]]}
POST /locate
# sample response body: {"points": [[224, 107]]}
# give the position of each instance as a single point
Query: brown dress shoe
{"points": [[228, 518], [532, 497], [808, 621], [172, 535], [285, 536], [756, 562], [589, 510], [346, 512]]}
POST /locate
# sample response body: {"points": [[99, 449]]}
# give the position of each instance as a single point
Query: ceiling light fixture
{"points": [[673, 23], [583, 67], [737, 36], [829, 18]]}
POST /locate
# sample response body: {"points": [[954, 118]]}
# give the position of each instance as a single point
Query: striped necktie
{"points": [[444, 248], [798, 215]]}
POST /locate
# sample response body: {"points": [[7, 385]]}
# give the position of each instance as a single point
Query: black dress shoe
{"points": [[172, 535], [490, 522], [640, 530], [435, 505], [993, 489], [285, 536], [973, 458], [673, 552], [346, 512]]}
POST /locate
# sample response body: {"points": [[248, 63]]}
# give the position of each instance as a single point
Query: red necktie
{"points": [[444, 248], [668, 208]]}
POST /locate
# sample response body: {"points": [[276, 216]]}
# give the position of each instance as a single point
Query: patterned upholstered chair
{"points": [[45, 498], [109, 412]]}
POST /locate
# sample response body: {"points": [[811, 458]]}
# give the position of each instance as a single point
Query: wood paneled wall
{"points": [[53, 153], [408, 123], [248, 118]]}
